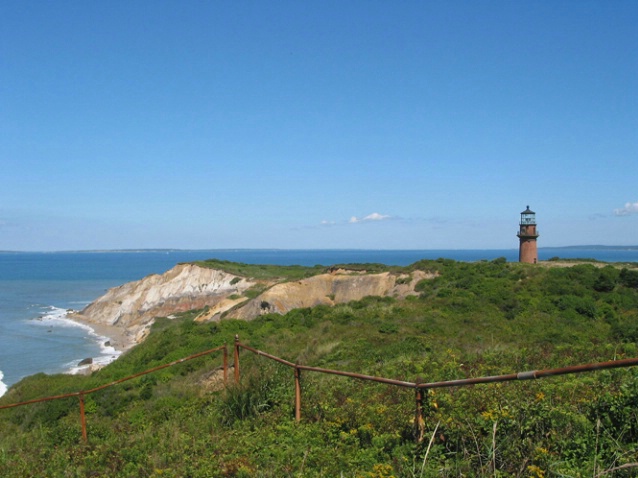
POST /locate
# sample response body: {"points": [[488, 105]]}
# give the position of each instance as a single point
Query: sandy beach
{"points": [[116, 337]]}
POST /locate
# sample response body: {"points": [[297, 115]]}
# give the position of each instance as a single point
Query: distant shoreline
{"points": [[591, 247], [595, 248]]}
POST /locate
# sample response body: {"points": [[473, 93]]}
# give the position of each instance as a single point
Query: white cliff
{"points": [[133, 307]]}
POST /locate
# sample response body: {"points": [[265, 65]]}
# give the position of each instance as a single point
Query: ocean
{"points": [[38, 289]]}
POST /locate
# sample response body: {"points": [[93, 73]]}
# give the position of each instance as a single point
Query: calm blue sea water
{"points": [[36, 290]]}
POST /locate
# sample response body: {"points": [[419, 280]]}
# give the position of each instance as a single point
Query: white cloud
{"points": [[630, 208], [375, 216]]}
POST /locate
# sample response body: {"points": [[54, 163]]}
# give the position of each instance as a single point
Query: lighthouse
{"points": [[527, 235]]}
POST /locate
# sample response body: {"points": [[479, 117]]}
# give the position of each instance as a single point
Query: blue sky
{"points": [[331, 124]]}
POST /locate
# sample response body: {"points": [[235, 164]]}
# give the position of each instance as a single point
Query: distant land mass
{"points": [[591, 247], [596, 247]]}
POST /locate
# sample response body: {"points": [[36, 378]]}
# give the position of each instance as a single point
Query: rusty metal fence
{"points": [[418, 387], [81, 394]]}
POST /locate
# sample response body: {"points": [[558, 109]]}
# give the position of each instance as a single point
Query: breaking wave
{"points": [[59, 317], [3, 387]]}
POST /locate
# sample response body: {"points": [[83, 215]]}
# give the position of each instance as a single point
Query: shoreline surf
{"points": [[3, 387], [110, 345], [110, 348], [110, 342]]}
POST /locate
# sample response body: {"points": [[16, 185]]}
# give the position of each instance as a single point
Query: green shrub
{"points": [[482, 319]]}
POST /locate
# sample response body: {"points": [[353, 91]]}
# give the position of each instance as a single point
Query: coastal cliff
{"points": [[129, 310], [327, 289]]}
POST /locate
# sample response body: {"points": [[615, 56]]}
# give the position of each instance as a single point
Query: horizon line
{"points": [[226, 249]]}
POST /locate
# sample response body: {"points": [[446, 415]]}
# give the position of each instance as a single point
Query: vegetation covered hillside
{"points": [[472, 320]]}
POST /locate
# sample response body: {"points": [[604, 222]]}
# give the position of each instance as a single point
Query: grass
{"points": [[262, 272], [472, 320]]}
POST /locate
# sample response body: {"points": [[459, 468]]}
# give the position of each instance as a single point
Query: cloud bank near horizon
{"points": [[629, 209], [375, 216]]}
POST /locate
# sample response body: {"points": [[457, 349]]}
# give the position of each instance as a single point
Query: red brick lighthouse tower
{"points": [[527, 234]]}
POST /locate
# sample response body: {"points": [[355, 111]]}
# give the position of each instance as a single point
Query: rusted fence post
{"points": [[297, 394], [420, 388], [419, 423], [82, 393], [237, 359], [225, 366], [83, 418]]}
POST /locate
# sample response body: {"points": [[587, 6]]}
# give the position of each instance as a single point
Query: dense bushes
{"points": [[480, 319]]}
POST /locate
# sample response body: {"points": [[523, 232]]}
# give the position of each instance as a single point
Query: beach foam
{"points": [[56, 316], [3, 387], [108, 355]]}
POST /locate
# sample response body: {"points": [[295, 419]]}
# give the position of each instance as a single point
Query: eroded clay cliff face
{"points": [[327, 289], [134, 306]]}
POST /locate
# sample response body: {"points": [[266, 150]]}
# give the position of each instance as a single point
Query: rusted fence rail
{"points": [[533, 374], [82, 393], [418, 387]]}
